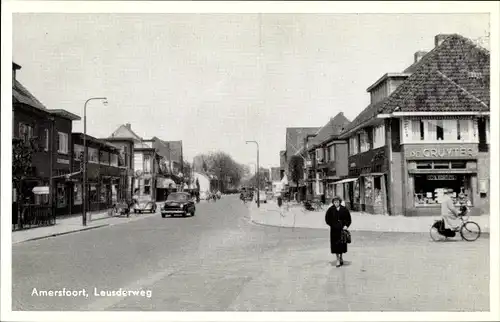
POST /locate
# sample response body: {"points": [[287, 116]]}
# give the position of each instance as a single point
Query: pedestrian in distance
{"points": [[338, 218]]}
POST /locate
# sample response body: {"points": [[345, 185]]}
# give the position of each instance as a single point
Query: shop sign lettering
{"points": [[442, 177], [443, 153]]}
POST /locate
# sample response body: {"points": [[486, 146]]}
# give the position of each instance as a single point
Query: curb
{"points": [[483, 233], [63, 233]]}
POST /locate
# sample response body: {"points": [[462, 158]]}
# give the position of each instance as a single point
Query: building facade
{"points": [[425, 130], [50, 130], [107, 177]]}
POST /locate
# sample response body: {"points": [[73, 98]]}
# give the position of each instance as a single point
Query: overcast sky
{"points": [[214, 81]]}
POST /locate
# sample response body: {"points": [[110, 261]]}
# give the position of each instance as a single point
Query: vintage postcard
{"points": [[249, 161]]}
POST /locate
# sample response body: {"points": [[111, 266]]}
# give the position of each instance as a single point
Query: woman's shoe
{"points": [[338, 264], [341, 262]]}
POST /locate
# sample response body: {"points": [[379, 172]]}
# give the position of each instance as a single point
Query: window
{"points": [[424, 165], [441, 165], [331, 152], [63, 143], [353, 145], [463, 130], [364, 144], [25, 131], [77, 152], [46, 140], [93, 155], [429, 189], [379, 136], [450, 130], [147, 186], [103, 157], [114, 160], [147, 164], [319, 155], [458, 164]]}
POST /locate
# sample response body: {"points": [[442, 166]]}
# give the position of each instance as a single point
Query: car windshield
{"points": [[177, 197]]}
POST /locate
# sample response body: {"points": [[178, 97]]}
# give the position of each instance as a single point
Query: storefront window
{"points": [[93, 193], [78, 194], [61, 195], [104, 194], [429, 189]]}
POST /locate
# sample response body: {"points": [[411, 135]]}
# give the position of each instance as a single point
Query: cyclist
{"points": [[449, 214]]}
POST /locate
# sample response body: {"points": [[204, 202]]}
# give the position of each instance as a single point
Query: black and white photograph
{"points": [[249, 161]]}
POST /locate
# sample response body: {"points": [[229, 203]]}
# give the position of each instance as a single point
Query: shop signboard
{"points": [[449, 177], [441, 151]]}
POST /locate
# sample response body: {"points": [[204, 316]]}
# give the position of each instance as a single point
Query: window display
{"points": [[429, 189], [78, 194], [61, 195]]}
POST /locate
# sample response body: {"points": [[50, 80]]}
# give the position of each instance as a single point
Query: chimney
{"points": [[128, 126], [15, 67], [419, 55], [438, 39]]}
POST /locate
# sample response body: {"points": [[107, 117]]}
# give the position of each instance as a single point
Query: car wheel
{"points": [[184, 214], [163, 216], [192, 213], [135, 211]]}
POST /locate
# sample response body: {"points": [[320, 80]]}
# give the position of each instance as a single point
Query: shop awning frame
{"points": [[346, 180], [374, 174], [442, 171]]}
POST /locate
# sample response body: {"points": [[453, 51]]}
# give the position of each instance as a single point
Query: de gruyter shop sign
{"points": [[441, 151]]}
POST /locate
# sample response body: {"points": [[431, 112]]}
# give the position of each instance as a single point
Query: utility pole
{"points": [[258, 172]]}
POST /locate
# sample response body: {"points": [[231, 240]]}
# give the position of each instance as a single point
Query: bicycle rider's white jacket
{"points": [[449, 212]]}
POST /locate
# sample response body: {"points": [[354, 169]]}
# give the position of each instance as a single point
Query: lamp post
{"points": [[84, 192], [258, 170]]}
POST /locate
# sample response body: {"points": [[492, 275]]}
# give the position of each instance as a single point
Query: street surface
{"points": [[219, 261]]}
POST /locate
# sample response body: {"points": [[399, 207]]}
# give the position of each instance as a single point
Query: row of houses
{"points": [[426, 129], [118, 166]]}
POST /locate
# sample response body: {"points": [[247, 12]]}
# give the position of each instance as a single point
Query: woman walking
{"points": [[338, 218]]}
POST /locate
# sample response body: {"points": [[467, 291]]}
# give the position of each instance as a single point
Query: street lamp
{"points": [[84, 194], [258, 170]]}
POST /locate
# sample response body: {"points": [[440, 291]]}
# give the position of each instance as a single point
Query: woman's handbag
{"points": [[345, 236]]}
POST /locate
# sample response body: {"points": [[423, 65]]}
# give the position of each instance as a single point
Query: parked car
{"points": [[178, 203], [262, 197], [145, 206]]}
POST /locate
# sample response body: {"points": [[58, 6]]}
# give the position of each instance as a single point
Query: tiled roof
{"points": [[170, 149], [457, 67], [334, 127], [295, 138], [432, 91], [125, 132], [457, 71], [367, 114], [21, 95]]}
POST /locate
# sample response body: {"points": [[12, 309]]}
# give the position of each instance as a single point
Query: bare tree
{"points": [[223, 167]]}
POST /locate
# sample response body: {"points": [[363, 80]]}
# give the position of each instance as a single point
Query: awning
{"points": [[374, 174], [41, 190], [165, 183], [346, 180]]}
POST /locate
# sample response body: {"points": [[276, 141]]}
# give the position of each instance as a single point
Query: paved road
{"points": [[218, 261]]}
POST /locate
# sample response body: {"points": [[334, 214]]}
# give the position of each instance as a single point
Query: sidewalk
{"points": [[74, 224], [296, 216]]}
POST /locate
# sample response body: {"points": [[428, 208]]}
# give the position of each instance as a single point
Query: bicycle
{"points": [[469, 230]]}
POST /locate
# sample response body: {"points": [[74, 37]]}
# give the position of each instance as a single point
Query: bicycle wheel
{"points": [[435, 235], [470, 231]]}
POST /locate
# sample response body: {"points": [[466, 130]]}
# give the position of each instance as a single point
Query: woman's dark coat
{"points": [[337, 220]]}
